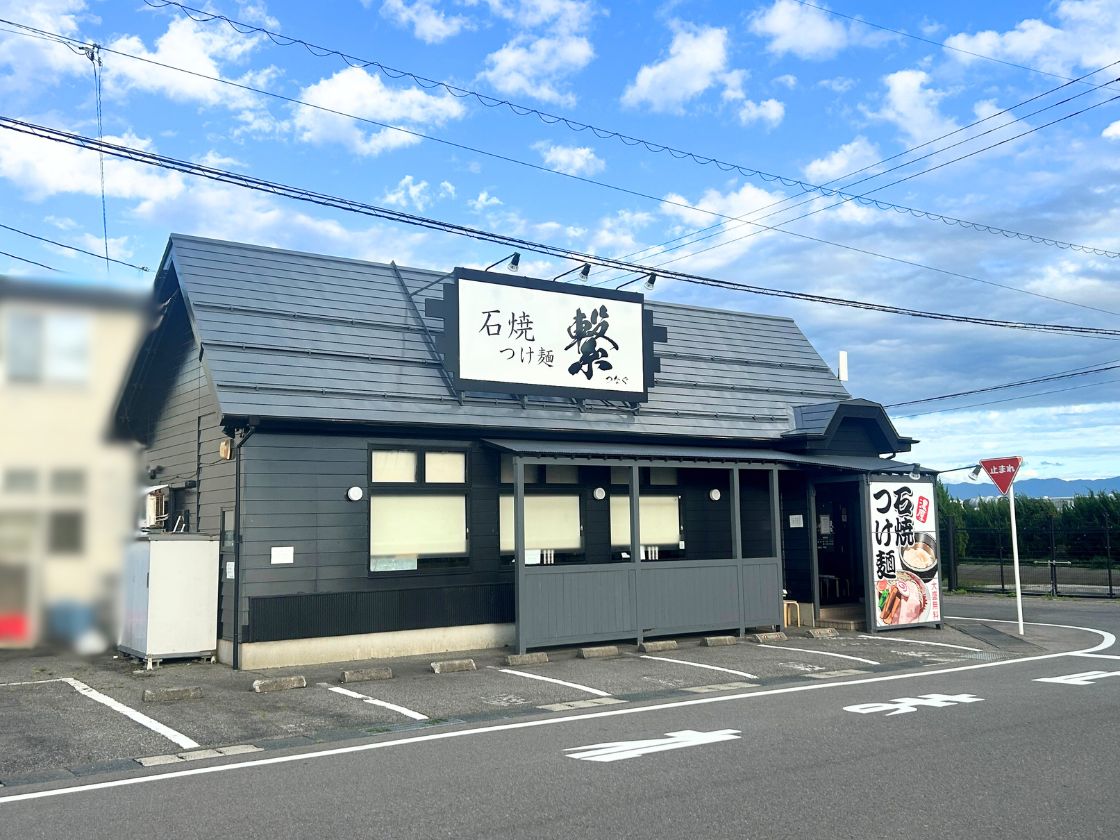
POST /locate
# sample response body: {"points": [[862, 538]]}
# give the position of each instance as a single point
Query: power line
{"points": [[242, 28], [636, 193], [72, 248], [1009, 399], [353, 206], [939, 166], [26, 260], [945, 219], [1053, 377], [937, 44]]}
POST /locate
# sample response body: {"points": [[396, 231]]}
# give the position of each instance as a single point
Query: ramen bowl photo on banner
{"points": [[904, 554]]}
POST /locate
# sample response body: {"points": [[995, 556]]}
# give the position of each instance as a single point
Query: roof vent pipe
{"points": [[843, 374]]}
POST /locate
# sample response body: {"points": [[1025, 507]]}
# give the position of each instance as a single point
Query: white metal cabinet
{"points": [[171, 597]]}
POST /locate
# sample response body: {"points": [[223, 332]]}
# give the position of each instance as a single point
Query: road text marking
{"points": [[1084, 678], [701, 665], [576, 686], [620, 750], [1107, 640], [905, 705], [374, 702]]}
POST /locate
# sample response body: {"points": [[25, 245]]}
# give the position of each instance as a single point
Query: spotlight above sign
{"points": [[543, 338]]}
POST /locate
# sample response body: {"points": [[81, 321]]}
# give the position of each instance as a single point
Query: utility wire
{"points": [[899, 181], [937, 44], [72, 247], [93, 53], [353, 206], [200, 16], [1009, 399], [647, 196], [26, 260], [863, 169], [1053, 377]]}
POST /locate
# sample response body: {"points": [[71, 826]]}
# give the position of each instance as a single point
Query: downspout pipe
{"points": [[245, 435]]}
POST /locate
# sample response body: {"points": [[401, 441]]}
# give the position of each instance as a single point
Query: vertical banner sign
{"points": [[904, 557]]}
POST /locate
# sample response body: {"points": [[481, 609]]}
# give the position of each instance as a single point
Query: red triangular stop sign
{"points": [[1002, 471]]}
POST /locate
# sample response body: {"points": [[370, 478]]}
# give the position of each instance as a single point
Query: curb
{"points": [[718, 641], [538, 658], [598, 652], [655, 647], [279, 684], [768, 637], [451, 666]]}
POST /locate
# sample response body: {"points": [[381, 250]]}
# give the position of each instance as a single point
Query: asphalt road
{"points": [[994, 753]]}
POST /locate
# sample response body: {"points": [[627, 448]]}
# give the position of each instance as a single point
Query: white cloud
{"points": [[697, 60], [1112, 132], [839, 84], [849, 157], [198, 47], [733, 85], [483, 202], [913, 107], [617, 234], [571, 160], [357, 92], [537, 65], [43, 169], [1085, 37], [408, 191], [217, 160], [446, 189], [118, 246], [61, 222], [787, 80], [769, 112], [428, 22], [801, 30], [32, 63]]}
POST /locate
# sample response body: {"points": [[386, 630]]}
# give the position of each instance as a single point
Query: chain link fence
{"points": [[1052, 561]]}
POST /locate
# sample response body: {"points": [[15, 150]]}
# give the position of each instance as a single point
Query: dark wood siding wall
{"points": [[183, 435], [294, 494]]}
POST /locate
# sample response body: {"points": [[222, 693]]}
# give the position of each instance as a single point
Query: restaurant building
{"points": [[405, 461]]}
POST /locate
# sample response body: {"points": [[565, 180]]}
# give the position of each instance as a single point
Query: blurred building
{"points": [[67, 495]]}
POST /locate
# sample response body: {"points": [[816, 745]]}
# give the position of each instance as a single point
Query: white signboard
{"points": [[550, 340], [902, 536]]}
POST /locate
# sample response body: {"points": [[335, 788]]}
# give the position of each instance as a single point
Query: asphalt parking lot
{"points": [[64, 716]]}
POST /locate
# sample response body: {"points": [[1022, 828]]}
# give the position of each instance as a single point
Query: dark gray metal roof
{"points": [[308, 337], [577, 450]]}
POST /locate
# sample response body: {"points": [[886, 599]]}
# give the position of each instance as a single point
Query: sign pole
{"points": [[1015, 559]]}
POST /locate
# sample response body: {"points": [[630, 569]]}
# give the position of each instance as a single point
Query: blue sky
{"points": [[776, 86]]}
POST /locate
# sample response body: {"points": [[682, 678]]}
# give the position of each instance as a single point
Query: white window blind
{"points": [[550, 522], [394, 465], [660, 520], [445, 467], [417, 525]]}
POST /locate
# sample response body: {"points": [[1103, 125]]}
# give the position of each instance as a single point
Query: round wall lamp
{"points": [[714, 495], [355, 494], [599, 493]]}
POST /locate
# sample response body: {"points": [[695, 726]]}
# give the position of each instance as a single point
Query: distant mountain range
{"points": [[1054, 488]]}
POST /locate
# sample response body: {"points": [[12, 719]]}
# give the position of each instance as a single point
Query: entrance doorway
{"points": [[839, 543]]}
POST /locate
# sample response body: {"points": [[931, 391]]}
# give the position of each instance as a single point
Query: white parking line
{"points": [[700, 665], [130, 713], [823, 653], [918, 642], [393, 707], [576, 686], [1107, 641], [1098, 655]]}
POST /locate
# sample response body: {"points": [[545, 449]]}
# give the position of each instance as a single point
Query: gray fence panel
{"points": [[762, 592], [682, 596], [577, 603]]}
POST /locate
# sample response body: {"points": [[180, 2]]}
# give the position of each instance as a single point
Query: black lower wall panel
{"points": [[345, 613]]}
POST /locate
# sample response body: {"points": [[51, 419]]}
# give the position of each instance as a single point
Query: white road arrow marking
{"points": [[905, 705], [619, 750], [1084, 678]]}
